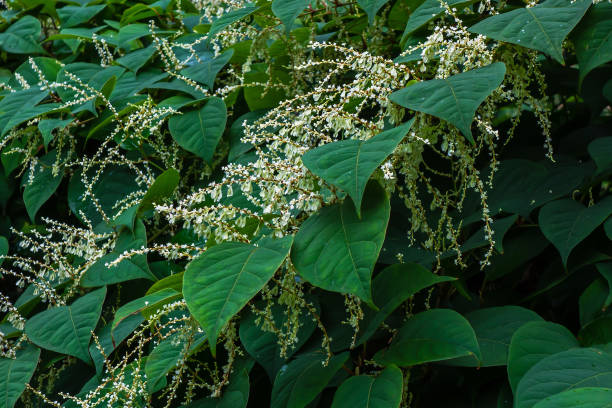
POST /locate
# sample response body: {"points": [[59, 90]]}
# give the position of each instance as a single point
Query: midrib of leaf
{"points": [[370, 393], [356, 170], [8, 376], [450, 86], [588, 378], [348, 247], [229, 294], [535, 18], [76, 335]]}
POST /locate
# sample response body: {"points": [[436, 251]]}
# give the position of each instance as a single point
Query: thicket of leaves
{"points": [[381, 203]]}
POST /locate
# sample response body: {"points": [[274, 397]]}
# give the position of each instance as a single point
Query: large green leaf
{"points": [[454, 99], [596, 332], [222, 280], [168, 353], [67, 329], [391, 288], [600, 150], [19, 106], [335, 250], [575, 368], [72, 16], [230, 18], [542, 27], [22, 37], [41, 187], [593, 38], [383, 391], [531, 343], [427, 11], [16, 373], [206, 71], [263, 345], [134, 267], [433, 335], [566, 223], [494, 327], [585, 397], [288, 10], [348, 164], [199, 131], [109, 340], [300, 381], [371, 7]]}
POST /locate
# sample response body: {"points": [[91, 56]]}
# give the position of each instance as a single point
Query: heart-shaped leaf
{"points": [[42, 186], [67, 329], [206, 71], [335, 250], [542, 27], [300, 381], [16, 373], [348, 164], [288, 10], [566, 223], [391, 287], [433, 335], [371, 7], [575, 368], [585, 397], [531, 343], [383, 391], [199, 131], [454, 99], [593, 38], [222, 280], [494, 327]]}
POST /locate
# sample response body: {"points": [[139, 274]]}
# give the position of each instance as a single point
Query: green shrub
{"points": [[305, 204]]}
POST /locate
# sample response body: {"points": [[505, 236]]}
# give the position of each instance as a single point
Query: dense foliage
{"points": [[380, 203]]}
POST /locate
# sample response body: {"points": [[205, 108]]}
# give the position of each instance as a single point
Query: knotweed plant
{"points": [[223, 203]]}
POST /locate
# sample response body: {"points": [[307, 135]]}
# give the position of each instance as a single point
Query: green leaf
{"points": [[263, 345], [205, 72], [200, 131], [433, 335], [575, 368], [591, 301], [531, 343], [138, 305], [454, 99], [46, 126], [222, 280], [494, 328], [335, 250], [383, 391], [42, 186], [134, 267], [542, 27], [136, 59], [22, 37], [173, 282], [16, 373], [168, 353], [348, 164], [605, 269], [67, 329], [596, 332], [18, 107], [163, 187], [600, 150], [566, 223], [300, 381], [72, 16], [593, 38], [230, 18], [391, 287], [288, 10], [585, 397], [371, 7], [427, 11]]}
